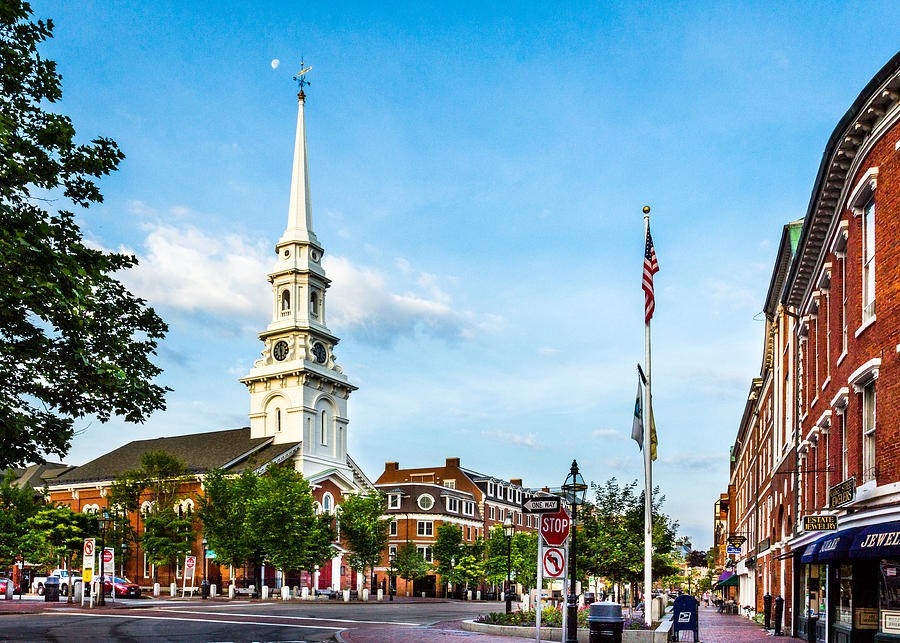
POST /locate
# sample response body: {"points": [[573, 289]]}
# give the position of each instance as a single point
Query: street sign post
{"points": [[190, 564], [87, 567], [108, 566], [541, 506], [555, 527]]}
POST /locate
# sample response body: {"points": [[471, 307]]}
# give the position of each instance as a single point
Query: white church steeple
{"points": [[298, 393]]}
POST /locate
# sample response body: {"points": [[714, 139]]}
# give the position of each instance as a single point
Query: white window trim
{"points": [[864, 374], [425, 528], [430, 501], [839, 401], [393, 501], [393, 530], [863, 191]]}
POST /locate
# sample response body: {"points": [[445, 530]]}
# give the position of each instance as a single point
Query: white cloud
{"points": [[608, 433], [546, 351], [186, 269], [140, 208], [695, 460], [731, 296], [180, 210], [529, 440]]}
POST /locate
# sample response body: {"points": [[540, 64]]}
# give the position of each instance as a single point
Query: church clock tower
{"points": [[298, 393]]}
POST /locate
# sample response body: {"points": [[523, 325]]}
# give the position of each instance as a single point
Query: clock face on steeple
{"points": [[319, 353], [280, 351]]}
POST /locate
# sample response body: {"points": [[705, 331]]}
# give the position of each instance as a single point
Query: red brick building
{"points": [[825, 453], [420, 500]]}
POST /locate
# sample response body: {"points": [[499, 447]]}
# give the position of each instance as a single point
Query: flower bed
{"points": [[551, 617]]}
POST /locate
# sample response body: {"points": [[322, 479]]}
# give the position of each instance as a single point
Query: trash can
{"points": [[51, 589], [605, 623], [204, 589]]}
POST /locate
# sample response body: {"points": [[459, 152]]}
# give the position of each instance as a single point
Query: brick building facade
{"points": [[828, 448]]}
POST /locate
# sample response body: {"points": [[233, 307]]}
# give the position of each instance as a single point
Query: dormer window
{"points": [[394, 501]]}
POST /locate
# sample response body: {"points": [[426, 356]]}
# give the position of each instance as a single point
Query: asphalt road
{"points": [[231, 621]]}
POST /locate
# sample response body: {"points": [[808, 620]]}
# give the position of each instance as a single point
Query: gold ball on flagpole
{"points": [[646, 209]]}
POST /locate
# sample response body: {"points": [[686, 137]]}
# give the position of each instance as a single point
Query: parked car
{"points": [[66, 577], [4, 581], [123, 587]]}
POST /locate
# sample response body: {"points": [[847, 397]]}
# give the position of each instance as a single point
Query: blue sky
{"points": [[477, 178]]}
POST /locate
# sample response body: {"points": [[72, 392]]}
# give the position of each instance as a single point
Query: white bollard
{"points": [[295, 592], [212, 590], [155, 589], [77, 592], [231, 591], [469, 595], [478, 595], [423, 594], [173, 589], [346, 595], [285, 593], [265, 592], [304, 593], [365, 594], [380, 595]]}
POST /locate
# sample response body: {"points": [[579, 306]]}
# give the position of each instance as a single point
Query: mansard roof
{"points": [[233, 450]]}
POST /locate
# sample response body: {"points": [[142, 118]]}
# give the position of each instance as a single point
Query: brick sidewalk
{"points": [[727, 628], [440, 633]]}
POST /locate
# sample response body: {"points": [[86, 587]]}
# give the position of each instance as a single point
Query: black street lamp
{"points": [[124, 554], [574, 489], [102, 523], [204, 592], [508, 530]]}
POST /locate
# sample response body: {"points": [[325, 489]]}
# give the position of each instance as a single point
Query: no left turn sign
{"points": [[554, 562], [89, 547]]}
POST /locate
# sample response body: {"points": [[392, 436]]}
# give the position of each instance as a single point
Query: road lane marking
{"points": [[299, 618], [210, 620]]}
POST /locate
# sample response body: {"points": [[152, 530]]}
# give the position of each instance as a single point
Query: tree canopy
{"points": [[73, 340], [364, 532], [17, 505]]}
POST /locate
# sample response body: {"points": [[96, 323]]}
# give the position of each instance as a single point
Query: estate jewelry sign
{"points": [[819, 523], [842, 493], [890, 621]]}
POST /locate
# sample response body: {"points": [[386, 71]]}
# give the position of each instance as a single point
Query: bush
{"points": [[551, 617]]}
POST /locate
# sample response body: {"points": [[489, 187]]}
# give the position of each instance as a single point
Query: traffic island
{"points": [[659, 635]]}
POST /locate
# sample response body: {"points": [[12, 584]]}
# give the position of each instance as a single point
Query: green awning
{"points": [[731, 581]]}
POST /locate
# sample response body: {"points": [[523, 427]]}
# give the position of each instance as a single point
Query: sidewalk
{"points": [[438, 633], [728, 628]]}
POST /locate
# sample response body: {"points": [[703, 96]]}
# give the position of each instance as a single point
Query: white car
{"points": [[66, 578]]}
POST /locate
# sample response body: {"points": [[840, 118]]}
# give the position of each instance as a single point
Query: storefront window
{"points": [[812, 590], [845, 596], [889, 597]]}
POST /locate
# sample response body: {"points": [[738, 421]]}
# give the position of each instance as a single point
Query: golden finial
{"points": [[646, 209]]}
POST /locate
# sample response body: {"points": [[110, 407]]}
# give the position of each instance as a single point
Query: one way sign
{"points": [[541, 506]]}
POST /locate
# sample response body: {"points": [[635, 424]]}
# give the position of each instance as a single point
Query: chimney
{"points": [[391, 466], [452, 462], [546, 489], [516, 481]]}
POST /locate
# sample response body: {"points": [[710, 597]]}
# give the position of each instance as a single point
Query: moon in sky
{"points": [[275, 63]]}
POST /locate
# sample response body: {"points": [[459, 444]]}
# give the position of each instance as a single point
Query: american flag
{"points": [[651, 267]]}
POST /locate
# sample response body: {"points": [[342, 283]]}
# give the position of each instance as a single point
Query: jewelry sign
{"points": [[819, 523]]}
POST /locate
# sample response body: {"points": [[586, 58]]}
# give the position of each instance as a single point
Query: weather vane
{"points": [[301, 81]]}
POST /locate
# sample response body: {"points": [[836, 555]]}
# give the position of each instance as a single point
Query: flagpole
{"points": [[648, 473]]}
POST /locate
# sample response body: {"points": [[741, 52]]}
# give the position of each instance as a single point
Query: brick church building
{"points": [[298, 406]]}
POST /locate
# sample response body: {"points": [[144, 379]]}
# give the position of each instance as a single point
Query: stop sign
{"points": [[555, 527]]}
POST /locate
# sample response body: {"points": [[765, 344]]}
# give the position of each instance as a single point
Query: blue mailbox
{"points": [[684, 617]]}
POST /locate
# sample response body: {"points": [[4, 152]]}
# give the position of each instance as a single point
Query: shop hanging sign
{"points": [[819, 523], [737, 541], [842, 493]]}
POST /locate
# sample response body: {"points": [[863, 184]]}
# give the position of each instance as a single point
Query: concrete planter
{"points": [[555, 633]]}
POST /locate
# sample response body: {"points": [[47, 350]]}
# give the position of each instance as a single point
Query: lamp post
{"points": [[508, 530], [122, 563], [574, 489], [102, 523]]}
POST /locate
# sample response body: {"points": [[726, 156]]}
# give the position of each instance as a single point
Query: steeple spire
{"points": [[299, 227]]}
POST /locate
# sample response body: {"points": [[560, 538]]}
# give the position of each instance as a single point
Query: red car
{"points": [[124, 588], [3, 583]]}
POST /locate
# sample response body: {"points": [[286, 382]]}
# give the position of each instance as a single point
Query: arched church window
{"points": [[314, 305], [278, 419], [323, 427], [285, 300], [327, 502]]}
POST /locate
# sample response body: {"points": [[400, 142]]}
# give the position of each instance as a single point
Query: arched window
{"points": [[285, 300], [314, 305], [323, 427], [327, 503], [278, 420], [318, 508]]}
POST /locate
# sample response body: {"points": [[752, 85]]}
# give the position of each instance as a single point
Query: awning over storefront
{"points": [[727, 579], [809, 554], [877, 540], [837, 545]]}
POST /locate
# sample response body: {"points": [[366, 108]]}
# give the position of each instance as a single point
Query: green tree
{"points": [[17, 505], [446, 551], [524, 558], [363, 530], [408, 563], [611, 537], [168, 531], [56, 533], [496, 556], [75, 341]]}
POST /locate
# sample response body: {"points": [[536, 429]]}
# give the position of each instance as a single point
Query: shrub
{"points": [[551, 617]]}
